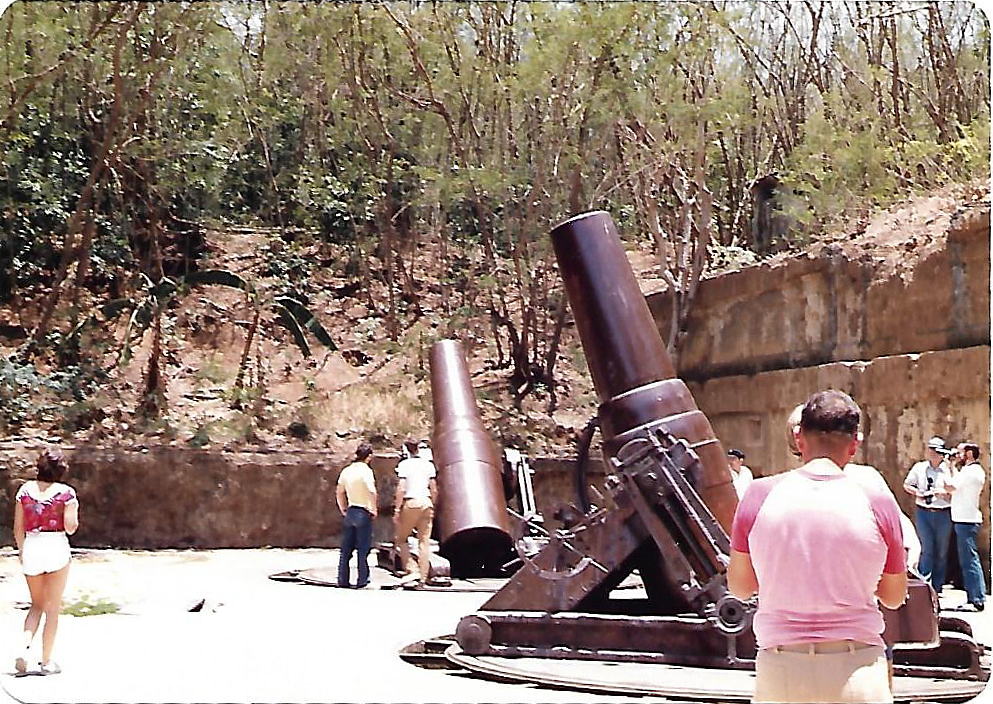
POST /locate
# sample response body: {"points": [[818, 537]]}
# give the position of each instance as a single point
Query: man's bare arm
{"points": [[892, 590], [398, 497], [742, 581], [911, 486]]}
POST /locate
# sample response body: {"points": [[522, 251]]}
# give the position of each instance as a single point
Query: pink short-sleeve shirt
{"points": [[45, 512], [818, 541]]}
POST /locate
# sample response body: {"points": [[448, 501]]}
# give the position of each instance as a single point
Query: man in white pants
{"points": [[413, 508]]}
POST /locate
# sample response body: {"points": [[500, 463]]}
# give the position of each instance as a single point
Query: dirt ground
{"points": [[254, 639]]}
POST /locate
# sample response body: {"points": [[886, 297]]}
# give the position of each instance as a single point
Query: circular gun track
{"points": [[676, 682]]}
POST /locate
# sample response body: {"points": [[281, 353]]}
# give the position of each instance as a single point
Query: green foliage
{"points": [[27, 394], [88, 605], [44, 166], [296, 318], [466, 129]]}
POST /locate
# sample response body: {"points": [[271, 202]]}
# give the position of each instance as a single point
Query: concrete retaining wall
{"points": [[912, 348], [174, 497], [804, 311], [178, 497]]}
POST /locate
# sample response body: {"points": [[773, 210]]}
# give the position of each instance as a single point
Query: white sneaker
{"points": [[50, 668]]}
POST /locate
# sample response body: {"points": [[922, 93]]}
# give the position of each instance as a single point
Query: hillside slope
{"points": [[372, 387]]}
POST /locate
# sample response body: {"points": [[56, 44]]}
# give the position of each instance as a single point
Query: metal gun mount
{"points": [[655, 506], [672, 505]]}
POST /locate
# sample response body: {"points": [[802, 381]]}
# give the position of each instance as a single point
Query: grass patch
{"points": [[214, 370], [87, 605], [392, 410]]}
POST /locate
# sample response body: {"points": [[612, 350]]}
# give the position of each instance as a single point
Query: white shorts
{"points": [[44, 552]]}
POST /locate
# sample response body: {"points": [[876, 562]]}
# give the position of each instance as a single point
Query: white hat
{"points": [[936, 443]]}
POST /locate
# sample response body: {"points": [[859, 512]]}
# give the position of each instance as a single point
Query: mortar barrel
{"points": [[631, 369], [471, 515]]}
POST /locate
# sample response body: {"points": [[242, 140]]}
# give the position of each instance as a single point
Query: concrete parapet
{"points": [[807, 311], [173, 497], [905, 398]]}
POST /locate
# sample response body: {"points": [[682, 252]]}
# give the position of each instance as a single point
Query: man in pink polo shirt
{"points": [[819, 547]]}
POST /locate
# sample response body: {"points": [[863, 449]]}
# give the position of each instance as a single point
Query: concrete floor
{"points": [[256, 639]]}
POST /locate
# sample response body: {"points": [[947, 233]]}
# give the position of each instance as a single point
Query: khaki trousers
{"points": [[415, 514], [858, 673]]}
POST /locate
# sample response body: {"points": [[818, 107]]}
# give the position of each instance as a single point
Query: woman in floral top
{"points": [[45, 512]]}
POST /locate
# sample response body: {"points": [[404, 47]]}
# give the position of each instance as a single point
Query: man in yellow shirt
{"points": [[357, 498]]}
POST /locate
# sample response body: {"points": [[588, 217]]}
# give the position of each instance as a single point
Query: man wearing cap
{"points": [[413, 509], [818, 628], [926, 483], [741, 475]]}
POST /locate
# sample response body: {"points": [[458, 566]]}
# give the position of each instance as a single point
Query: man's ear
{"points": [[853, 446], [799, 441]]}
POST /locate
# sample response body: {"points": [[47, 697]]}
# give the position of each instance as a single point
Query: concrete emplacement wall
{"points": [[173, 497], [914, 351]]}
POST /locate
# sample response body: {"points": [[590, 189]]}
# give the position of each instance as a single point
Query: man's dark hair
{"points": [[411, 446], [973, 448], [831, 411], [52, 465], [736, 453], [363, 451]]}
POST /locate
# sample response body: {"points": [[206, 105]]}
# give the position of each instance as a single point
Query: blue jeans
{"points": [[972, 568], [356, 536], [934, 528]]}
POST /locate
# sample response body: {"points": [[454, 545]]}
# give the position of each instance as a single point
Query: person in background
{"points": [[741, 475], [46, 511], [357, 501], [413, 509], [819, 547], [965, 486], [926, 483], [424, 450]]}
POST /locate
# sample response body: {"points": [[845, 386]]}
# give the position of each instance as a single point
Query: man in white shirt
{"points": [[965, 486], [926, 482], [741, 475], [357, 499], [413, 508]]}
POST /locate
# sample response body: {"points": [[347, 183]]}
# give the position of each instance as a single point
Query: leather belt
{"points": [[928, 508], [827, 646]]}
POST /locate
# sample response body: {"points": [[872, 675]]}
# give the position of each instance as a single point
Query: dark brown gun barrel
{"points": [[473, 528], [632, 372]]}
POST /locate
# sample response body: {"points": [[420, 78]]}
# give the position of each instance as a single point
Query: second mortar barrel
{"points": [[471, 515]]}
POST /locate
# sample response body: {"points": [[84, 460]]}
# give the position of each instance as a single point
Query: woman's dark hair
{"points": [[52, 465], [363, 451], [973, 448]]}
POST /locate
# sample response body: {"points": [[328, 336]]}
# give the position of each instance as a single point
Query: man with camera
{"points": [[966, 486], [926, 482]]}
